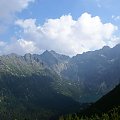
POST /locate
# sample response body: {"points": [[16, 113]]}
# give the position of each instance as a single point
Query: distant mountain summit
{"points": [[52, 58], [85, 77]]}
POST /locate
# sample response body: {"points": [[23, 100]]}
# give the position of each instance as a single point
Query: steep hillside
{"points": [[107, 102], [30, 90], [96, 72], [106, 108]]}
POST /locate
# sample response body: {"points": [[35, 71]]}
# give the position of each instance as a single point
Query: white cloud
{"points": [[18, 46], [30, 45], [8, 10], [65, 35]]}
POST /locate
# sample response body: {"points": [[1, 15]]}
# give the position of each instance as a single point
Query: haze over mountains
{"points": [[48, 81]]}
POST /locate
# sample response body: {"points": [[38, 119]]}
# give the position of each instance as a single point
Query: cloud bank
{"points": [[64, 35]]}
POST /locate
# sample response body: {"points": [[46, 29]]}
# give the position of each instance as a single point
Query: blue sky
{"points": [[32, 25], [45, 9]]}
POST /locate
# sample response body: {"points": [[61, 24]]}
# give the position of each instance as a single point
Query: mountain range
{"points": [[53, 83], [28, 91]]}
